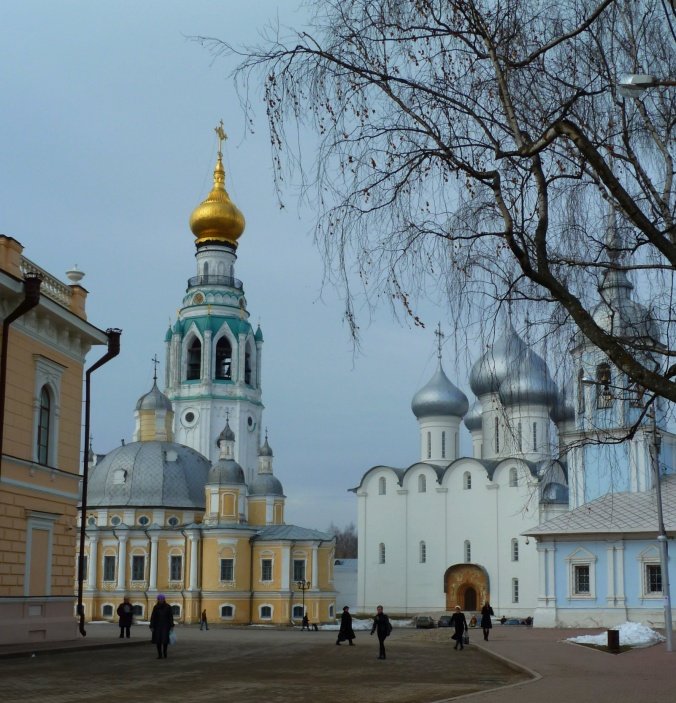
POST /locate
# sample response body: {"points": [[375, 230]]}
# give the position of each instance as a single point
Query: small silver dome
{"points": [[491, 369], [226, 472], [266, 485], [162, 474], [227, 434], [528, 382], [154, 400], [439, 397], [266, 449], [473, 419]]}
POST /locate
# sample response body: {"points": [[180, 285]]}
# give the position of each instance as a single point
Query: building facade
{"points": [[191, 508], [41, 457]]}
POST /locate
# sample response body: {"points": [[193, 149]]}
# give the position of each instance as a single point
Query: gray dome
{"points": [[528, 382], [473, 419], [149, 474], [226, 472], [439, 397], [494, 366], [154, 400], [555, 493], [563, 409], [227, 434], [266, 449], [266, 485]]}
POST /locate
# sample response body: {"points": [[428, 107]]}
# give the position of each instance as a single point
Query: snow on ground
{"points": [[632, 634], [367, 624]]}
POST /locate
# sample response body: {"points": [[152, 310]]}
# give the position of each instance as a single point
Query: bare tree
{"points": [[481, 147], [346, 541]]}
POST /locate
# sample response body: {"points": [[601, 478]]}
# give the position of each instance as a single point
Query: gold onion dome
{"points": [[217, 218]]}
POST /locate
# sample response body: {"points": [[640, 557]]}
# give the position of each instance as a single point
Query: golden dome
{"points": [[217, 219]]}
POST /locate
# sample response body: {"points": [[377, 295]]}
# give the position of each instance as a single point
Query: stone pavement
{"points": [[279, 666]]}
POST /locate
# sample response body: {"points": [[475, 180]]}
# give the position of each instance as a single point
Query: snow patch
{"points": [[632, 634]]}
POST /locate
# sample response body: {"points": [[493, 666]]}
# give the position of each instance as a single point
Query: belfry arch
{"points": [[466, 585]]}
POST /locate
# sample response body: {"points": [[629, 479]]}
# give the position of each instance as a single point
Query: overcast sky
{"points": [[107, 145]]}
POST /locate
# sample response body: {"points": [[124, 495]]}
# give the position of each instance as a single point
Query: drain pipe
{"points": [[113, 351], [31, 288]]}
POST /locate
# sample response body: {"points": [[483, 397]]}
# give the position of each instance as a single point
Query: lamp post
{"points": [[662, 540], [303, 586]]}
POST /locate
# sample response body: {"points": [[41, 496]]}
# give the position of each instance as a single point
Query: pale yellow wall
{"points": [[256, 511]]}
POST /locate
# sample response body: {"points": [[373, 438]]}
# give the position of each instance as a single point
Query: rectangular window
{"points": [[519, 437], [138, 567], [299, 569], [515, 590], [429, 445], [535, 436], [443, 445], [108, 568], [266, 569], [653, 578], [582, 580], [176, 568], [227, 569]]}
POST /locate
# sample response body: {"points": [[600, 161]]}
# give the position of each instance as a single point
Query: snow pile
{"points": [[632, 634], [367, 624]]}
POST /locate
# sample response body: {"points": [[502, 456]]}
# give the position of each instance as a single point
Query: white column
{"points": [[152, 585], [121, 562], [286, 567], [92, 562], [551, 578], [206, 357], [315, 568], [192, 586]]}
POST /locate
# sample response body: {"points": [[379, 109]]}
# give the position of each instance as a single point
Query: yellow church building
{"points": [[46, 337], [191, 507]]}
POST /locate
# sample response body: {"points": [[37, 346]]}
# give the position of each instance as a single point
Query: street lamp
{"points": [[662, 539], [631, 85], [303, 586]]}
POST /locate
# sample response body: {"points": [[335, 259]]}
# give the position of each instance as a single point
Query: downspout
{"points": [[113, 351], [31, 288], [251, 577], [186, 574]]}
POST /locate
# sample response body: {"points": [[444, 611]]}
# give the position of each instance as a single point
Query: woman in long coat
{"points": [[346, 632], [486, 622], [161, 624]]}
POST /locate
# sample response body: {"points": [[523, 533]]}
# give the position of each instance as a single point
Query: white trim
{"points": [[39, 521], [650, 556], [581, 557]]}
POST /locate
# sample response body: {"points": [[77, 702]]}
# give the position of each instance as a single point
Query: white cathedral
{"points": [[551, 516]]}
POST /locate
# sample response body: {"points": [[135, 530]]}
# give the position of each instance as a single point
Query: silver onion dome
{"points": [[162, 474], [154, 400], [226, 472], [227, 434], [563, 409], [473, 419], [439, 397], [493, 367], [528, 382], [266, 485], [266, 449]]}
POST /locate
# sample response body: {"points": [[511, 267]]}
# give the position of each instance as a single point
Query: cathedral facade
{"points": [[555, 513], [191, 508]]}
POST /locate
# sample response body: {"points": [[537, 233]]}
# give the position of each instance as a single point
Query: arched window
{"points": [[266, 612], [194, 370], [205, 268], [443, 445], [467, 481], [176, 611], [223, 359], [515, 550], [107, 611], [381, 553], [423, 552], [580, 391], [429, 445], [535, 436], [382, 486], [497, 435], [226, 611], [297, 612], [468, 551], [247, 365], [513, 477], [604, 396], [44, 426], [422, 483]]}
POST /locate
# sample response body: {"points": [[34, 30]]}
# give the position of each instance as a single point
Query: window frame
{"points": [[173, 560], [581, 558], [514, 550], [109, 568], [299, 569], [135, 560], [382, 553], [224, 568], [267, 569]]}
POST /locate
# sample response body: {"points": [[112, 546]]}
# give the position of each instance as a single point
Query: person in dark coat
{"points": [[161, 624], [204, 623], [346, 632], [126, 614], [305, 623], [383, 626], [486, 622], [459, 622]]}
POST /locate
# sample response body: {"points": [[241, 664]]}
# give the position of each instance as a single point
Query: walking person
{"points": [[383, 627], [486, 622], [126, 613], [161, 624], [346, 632], [305, 624], [203, 620], [459, 622]]}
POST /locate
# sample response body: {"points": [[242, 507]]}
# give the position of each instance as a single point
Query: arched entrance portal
{"points": [[466, 585]]}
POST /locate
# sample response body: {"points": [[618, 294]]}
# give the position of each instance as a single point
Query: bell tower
{"points": [[213, 369]]}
